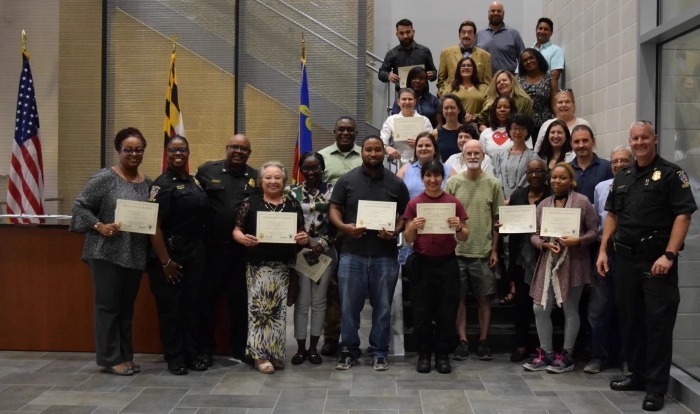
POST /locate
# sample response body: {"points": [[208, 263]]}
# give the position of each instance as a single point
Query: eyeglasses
{"points": [[535, 172], [315, 168], [238, 148], [180, 150], [518, 129], [622, 161], [130, 151]]}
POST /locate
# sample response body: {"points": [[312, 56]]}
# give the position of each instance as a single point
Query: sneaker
{"points": [[540, 362], [346, 360], [484, 352], [462, 351], [380, 364], [562, 363], [594, 366]]}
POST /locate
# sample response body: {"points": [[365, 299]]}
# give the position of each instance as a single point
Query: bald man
{"points": [[503, 43], [227, 182]]}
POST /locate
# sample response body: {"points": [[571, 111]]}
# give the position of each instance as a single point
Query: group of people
{"points": [[492, 139]]}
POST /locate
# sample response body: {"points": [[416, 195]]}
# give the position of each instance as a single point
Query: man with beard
{"points": [[649, 209], [227, 182], [553, 54], [340, 158], [466, 48], [407, 53], [503, 43], [589, 167], [368, 263], [481, 195]]}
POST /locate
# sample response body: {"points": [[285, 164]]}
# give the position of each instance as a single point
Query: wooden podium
{"points": [[46, 295]]}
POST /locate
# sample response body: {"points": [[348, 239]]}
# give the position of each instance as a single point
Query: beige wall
{"points": [[599, 38]]}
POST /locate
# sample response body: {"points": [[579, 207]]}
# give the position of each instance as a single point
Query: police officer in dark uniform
{"points": [[227, 182], [179, 243], [649, 210]]}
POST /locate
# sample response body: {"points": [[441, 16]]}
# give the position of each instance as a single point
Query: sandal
{"points": [[264, 367], [507, 299], [124, 371], [277, 363]]}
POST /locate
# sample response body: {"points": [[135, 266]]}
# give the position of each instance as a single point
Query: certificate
{"points": [[517, 219], [557, 222], [405, 128], [312, 272], [273, 227], [375, 215], [136, 216], [403, 74], [436, 215]]}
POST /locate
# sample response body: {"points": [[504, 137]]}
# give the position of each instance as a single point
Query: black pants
{"points": [[115, 289], [224, 274], [523, 307], [648, 307], [177, 306], [434, 297]]}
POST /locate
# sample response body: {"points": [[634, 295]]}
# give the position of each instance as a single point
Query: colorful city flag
{"points": [[173, 117], [304, 142]]}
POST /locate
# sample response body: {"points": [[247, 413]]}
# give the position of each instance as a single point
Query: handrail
{"points": [[372, 68]]}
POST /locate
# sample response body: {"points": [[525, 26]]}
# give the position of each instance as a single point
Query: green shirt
{"points": [[481, 198], [338, 163]]}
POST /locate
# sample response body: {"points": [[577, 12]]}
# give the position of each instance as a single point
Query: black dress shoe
{"points": [[177, 368], [423, 365], [442, 364], [207, 359], [197, 365], [627, 384], [299, 359], [330, 347], [654, 401]]}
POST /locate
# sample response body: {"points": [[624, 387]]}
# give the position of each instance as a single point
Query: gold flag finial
{"points": [[24, 40], [174, 38], [303, 49]]}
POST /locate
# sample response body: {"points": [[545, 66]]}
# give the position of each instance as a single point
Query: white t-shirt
{"points": [[455, 162]]}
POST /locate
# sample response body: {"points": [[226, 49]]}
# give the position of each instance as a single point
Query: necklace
{"points": [[517, 170], [561, 197], [131, 180], [273, 207]]}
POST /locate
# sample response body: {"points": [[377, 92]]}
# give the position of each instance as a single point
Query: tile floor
{"points": [[51, 382]]}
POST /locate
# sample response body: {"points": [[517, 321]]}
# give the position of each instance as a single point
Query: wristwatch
{"points": [[670, 255]]}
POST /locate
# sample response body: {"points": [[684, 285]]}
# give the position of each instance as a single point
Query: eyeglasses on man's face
{"points": [[535, 172], [238, 148]]}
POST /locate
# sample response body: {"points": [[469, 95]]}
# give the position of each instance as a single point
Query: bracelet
{"points": [[459, 229], [96, 225], [169, 261]]}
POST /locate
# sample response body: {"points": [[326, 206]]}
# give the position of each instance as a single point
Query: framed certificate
{"points": [[403, 74], [376, 215], [312, 272], [136, 216], [273, 227], [405, 128], [557, 222], [517, 219], [436, 215]]}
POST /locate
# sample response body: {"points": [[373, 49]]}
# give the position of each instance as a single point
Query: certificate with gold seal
{"points": [[313, 272], [405, 128], [436, 215], [136, 216], [517, 219], [273, 227], [376, 215], [558, 222]]}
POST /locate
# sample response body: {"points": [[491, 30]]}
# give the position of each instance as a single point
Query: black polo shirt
{"points": [[357, 185], [225, 189], [647, 200]]}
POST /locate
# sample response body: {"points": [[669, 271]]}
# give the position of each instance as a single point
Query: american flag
{"points": [[173, 117], [25, 190]]}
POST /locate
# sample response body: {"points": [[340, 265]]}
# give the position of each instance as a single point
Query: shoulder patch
{"points": [[685, 181], [154, 192]]}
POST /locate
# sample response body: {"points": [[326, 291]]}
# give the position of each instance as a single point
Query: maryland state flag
{"points": [[173, 117], [304, 142]]}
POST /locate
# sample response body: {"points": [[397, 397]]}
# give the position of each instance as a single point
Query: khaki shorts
{"points": [[476, 276]]}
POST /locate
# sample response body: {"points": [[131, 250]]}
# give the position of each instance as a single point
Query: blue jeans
{"points": [[357, 276], [603, 316]]}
